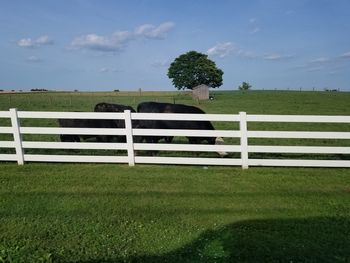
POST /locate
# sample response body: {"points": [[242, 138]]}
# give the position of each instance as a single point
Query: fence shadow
{"points": [[319, 239]]}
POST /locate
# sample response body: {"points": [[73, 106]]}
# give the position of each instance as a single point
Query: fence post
{"points": [[17, 136], [244, 139], [129, 138]]}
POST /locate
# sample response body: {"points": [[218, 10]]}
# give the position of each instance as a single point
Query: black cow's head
{"points": [[103, 107]]}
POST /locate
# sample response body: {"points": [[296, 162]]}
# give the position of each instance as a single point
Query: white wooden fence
{"points": [[243, 134]]}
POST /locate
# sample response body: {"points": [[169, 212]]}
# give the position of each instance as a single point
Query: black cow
{"points": [[86, 123], [157, 107], [96, 123], [120, 123], [109, 107]]}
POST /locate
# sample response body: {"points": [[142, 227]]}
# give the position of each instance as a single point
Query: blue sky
{"points": [[127, 45]]}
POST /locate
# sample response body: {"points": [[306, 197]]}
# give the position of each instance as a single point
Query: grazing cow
{"points": [[120, 123], [109, 107], [157, 107], [86, 123], [96, 123]]}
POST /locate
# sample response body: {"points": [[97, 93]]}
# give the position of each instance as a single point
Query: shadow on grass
{"points": [[317, 239]]}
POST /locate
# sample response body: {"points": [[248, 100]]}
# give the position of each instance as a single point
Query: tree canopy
{"points": [[245, 86], [192, 69]]}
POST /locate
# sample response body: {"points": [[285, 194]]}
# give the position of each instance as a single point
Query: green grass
{"points": [[109, 213], [228, 102], [115, 213]]}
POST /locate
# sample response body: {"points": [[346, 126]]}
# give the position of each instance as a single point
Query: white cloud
{"points": [[320, 60], [44, 40], [252, 20], [345, 55], [154, 32], [33, 59], [25, 42], [314, 69], [272, 57], [221, 50], [107, 70], [331, 64], [228, 48], [246, 54], [253, 25], [103, 70], [255, 30], [118, 40], [276, 56], [115, 42], [32, 43]]}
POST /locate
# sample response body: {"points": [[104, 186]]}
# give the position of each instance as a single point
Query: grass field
{"points": [[254, 102], [114, 213]]}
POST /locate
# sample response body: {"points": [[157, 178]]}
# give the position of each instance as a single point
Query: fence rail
{"points": [[130, 147]]}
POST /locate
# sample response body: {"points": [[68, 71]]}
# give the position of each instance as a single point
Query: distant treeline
{"points": [[38, 90]]}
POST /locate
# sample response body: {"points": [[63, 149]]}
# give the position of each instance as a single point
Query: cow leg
{"points": [[69, 138], [194, 140], [63, 138], [152, 139]]}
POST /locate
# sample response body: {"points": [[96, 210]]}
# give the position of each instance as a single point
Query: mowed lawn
{"points": [[115, 213]]}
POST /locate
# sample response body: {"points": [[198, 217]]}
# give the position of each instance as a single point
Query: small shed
{"points": [[200, 92]]}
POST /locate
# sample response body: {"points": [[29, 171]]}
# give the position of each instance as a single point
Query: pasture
{"points": [[114, 213]]}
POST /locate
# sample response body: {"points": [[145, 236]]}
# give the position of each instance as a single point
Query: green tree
{"points": [[192, 69], [245, 86]]}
